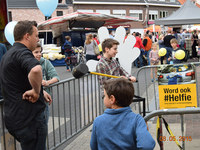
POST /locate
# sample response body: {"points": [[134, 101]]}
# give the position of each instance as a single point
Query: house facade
{"points": [[27, 9], [146, 10]]}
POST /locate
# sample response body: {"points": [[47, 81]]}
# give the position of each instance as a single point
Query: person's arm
{"points": [[47, 97], [144, 139], [35, 79], [167, 76], [141, 45], [100, 68], [145, 42], [51, 74], [179, 75], [150, 55], [123, 73], [48, 82], [93, 140]]}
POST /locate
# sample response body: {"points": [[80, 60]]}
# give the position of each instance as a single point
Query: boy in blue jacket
{"points": [[119, 128], [173, 76]]}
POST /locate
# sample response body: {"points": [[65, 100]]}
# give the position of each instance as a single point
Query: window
{"points": [[136, 13], [85, 10], [153, 15], [46, 18], [172, 0], [163, 14], [119, 12], [9, 16], [162, 0], [107, 12], [59, 13]]}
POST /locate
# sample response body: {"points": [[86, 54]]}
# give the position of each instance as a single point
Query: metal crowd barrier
{"points": [[149, 91], [76, 103], [181, 112], [175, 117]]}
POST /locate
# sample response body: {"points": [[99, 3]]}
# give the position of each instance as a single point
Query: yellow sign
{"points": [[177, 96]]}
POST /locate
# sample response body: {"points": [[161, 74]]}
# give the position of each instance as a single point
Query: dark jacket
{"points": [[167, 40]]}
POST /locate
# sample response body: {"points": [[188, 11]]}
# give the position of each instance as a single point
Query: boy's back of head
{"points": [[172, 69], [122, 89], [109, 43]]}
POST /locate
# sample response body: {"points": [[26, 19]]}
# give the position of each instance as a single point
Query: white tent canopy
{"points": [[187, 14]]}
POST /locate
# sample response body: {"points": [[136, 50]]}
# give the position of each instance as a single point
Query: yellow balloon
{"points": [[180, 54], [162, 52], [100, 48]]}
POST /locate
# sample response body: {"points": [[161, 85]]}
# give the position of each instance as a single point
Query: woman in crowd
{"points": [[89, 45], [161, 45], [194, 40]]}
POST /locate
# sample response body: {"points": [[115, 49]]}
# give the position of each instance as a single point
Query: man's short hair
{"points": [[169, 31], [38, 45], [23, 27], [122, 89], [172, 69], [109, 43], [67, 38], [110, 31], [137, 34], [94, 35], [173, 41]]}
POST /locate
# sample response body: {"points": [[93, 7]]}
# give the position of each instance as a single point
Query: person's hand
{"points": [[47, 97], [169, 59], [133, 79], [45, 83], [167, 75], [30, 96], [180, 74]]}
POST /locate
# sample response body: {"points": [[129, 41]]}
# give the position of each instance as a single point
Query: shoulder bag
{"points": [[96, 49]]}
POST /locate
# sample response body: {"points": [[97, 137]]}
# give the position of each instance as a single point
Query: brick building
{"points": [[27, 9], [146, 10]]}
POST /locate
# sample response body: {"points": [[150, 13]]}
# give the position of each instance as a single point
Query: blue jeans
{"points": [[71, 65], [169, 51], [33, 136], [46, 112], [139, 59], [147, 55], [182, 43]]}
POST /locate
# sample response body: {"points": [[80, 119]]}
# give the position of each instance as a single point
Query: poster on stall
{"points": [[177, 86]]}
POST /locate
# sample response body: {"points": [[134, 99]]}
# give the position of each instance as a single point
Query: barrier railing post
{"points": [[182, 131]]}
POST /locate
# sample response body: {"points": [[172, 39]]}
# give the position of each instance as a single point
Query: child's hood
{"points": [[172, 74]]}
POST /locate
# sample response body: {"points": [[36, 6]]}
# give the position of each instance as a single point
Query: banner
{"points": [[177, 86], [3, 19]]}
